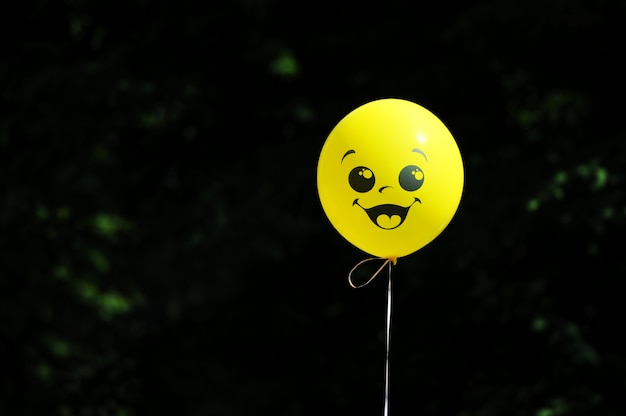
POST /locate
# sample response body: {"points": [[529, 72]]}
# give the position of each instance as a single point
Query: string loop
{"points": [[390, 260]]}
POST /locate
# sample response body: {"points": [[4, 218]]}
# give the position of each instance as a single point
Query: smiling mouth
{"points": [[387, 216]]}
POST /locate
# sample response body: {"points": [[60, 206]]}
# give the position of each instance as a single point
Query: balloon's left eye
{"points": [[411, 178], [361, 179]]}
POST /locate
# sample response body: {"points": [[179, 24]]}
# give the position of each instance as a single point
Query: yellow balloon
{"points": [[390, 177]]}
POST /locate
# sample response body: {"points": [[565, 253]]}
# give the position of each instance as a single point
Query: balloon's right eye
{"points": [[361, 179], [411, 178]]}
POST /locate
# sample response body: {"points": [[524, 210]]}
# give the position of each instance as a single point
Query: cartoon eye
{"points": [[361, 179], [411, 178]]}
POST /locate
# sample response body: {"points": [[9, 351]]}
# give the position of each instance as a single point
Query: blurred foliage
{"points": [[163, 250]]}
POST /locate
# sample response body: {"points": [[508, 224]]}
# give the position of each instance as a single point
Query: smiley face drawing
{"points": [[390, 177], [387, 216]]}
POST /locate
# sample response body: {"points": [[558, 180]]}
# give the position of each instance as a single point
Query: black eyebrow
{"points": [[349, 152], [421, 153]]}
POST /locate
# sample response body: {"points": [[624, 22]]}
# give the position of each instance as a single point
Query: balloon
{"points": [[390, 177]]}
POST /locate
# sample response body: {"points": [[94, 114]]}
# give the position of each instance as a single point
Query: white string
{"points": [[389, 261], [387, 343]]}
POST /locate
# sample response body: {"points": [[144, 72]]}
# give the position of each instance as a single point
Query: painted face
{"points": [[390, 177], [401, 190]]}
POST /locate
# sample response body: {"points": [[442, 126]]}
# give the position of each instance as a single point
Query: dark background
{"points": [[163, 250]]}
